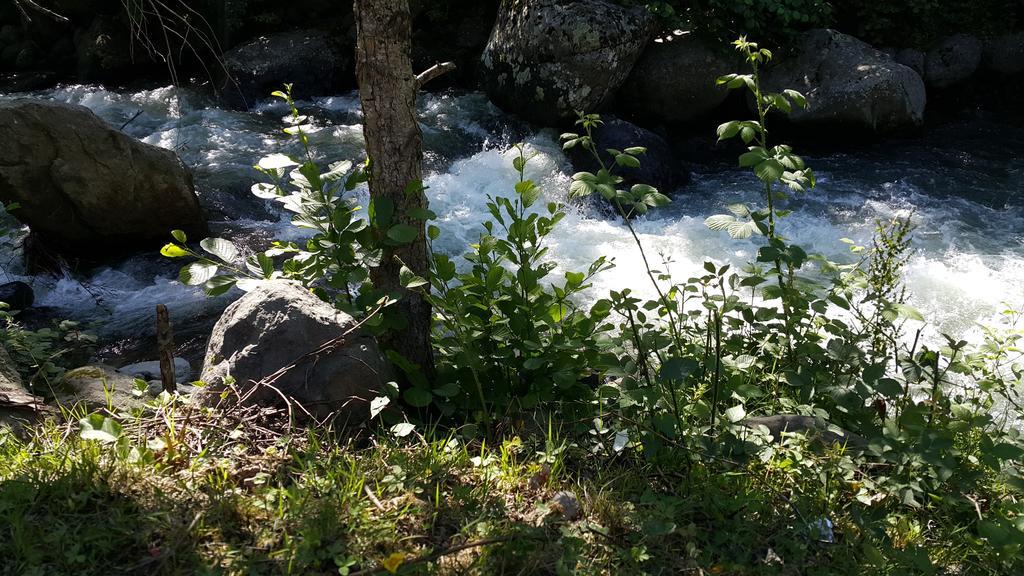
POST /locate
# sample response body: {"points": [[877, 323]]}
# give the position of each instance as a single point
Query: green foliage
{"points": [[43, 356], [507, 336], [334, 261], [929, 474]]}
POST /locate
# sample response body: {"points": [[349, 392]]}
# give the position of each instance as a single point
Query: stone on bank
{"points": [[278, 325], [85, 188]]}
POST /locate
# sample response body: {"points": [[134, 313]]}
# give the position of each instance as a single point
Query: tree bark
{"points": [[387, 90]]}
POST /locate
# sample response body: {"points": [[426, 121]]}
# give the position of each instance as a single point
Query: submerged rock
{"points": [[658, 166], [674, 80], [151, 370], [848, 83], [85, 188], [314, 61], [547, 59], [281, 324], [952, 61]]}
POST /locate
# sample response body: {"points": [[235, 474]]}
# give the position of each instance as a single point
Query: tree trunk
{"points": [[387, 90]]}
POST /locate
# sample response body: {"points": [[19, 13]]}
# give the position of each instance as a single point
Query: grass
{"points": [[182, 491]]}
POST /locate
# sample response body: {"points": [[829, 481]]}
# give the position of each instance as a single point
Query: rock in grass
{"points": [[98, 387], [848, 84], [567, 505], [87, 189], [813, 428], [279, 325], [548, 59]]}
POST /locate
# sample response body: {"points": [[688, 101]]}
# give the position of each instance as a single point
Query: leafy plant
{"points": [[507, 336]]}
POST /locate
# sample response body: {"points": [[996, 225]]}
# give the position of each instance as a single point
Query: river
{"points": [[963, 181]]}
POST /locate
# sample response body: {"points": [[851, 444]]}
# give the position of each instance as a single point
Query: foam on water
{"points": [[964, 193]]}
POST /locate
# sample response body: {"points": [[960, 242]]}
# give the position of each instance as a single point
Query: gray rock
{"points": [[151, 370], [1005, 54], [674, 80], [814, 428], [567, 505], [547, 59], [155, 387], [84, 187], [952, 61], [913, 59], [658, 166], [17, 295], [848, 83], [278, 324], [98, 387], [312, 60]]}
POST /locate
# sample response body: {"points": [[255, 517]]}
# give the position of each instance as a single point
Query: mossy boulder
{"points": [[547, 59]]}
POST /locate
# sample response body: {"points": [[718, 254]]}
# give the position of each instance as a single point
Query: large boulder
{"points": [[315, 62], [83, 187], [674, 80], [546, 59], [1005, 54], [281, 325], [849, 84], [952, 61], [658, 166]]}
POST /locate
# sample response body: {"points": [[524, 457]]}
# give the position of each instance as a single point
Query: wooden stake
{"points": [[165, 346]]}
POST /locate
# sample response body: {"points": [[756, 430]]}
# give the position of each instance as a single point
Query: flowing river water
{"points": [[963, 181]]}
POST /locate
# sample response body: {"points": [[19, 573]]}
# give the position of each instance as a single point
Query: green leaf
{"points": [[100, 428], [220, 248], [579, 189], [627, 161], [220, 284], [402, 429], [172, 250], [197, 273], [276, 162], [736, 413], [377, 405], [769, 171], [409, 279], [179, 235], [402, 233], [418, 397], [719, 221]]}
